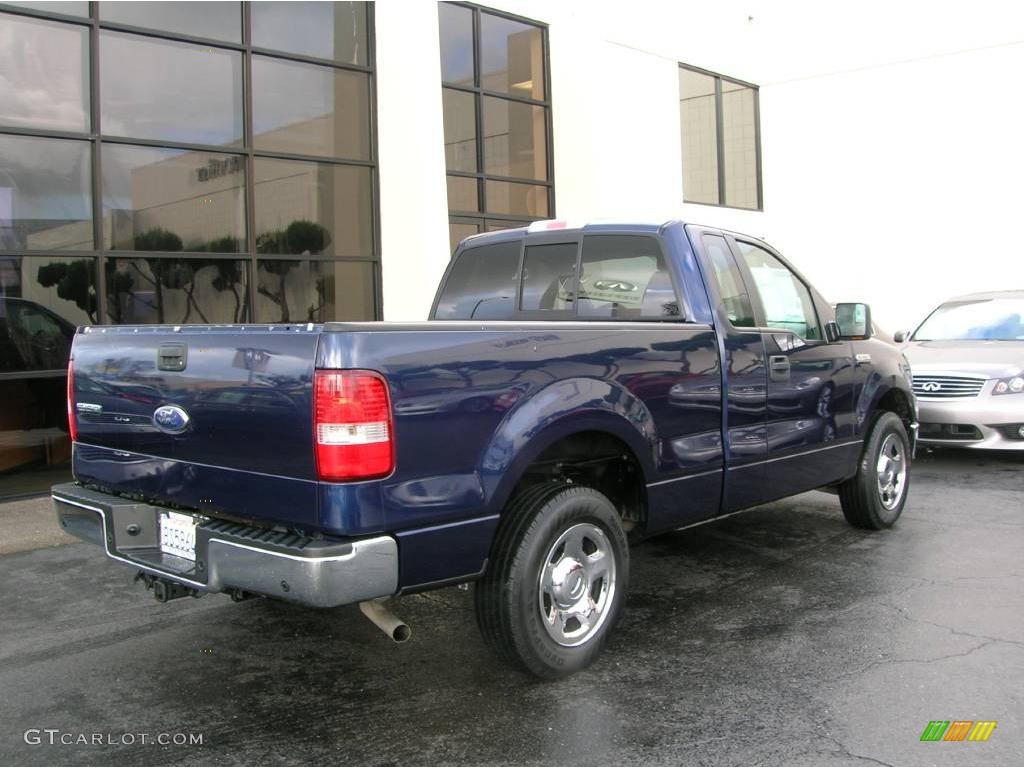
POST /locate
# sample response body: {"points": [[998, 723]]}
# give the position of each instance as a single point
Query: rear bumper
{"points": [[314, 572], [985, 421]]}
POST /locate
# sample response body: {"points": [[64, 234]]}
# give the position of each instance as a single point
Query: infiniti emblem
{"points": [[931, 386], [171, 419]]}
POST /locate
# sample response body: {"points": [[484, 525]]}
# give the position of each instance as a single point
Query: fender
{"points": [[561, 409]]}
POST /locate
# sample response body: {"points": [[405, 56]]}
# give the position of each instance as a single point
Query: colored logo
{"points": [[171, 419], [958, 730]]}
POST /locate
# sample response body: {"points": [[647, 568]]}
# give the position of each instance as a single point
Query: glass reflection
{"points": [[456, 27], [218, 20], [739, 144], [462, 194], [309, 110], [45, 194], [45, 80], [511, 57], [334, 31], [459, 130], [699, 126], [315, 209], [515, 139], [169, 290], [517, 199], [172, 200], [290, 291], [158, 89], [68, 7]]}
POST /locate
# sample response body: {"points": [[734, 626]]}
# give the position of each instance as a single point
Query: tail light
{"points": [[72, 426], [352, 425]]}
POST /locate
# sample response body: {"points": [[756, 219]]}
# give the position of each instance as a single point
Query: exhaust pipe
{"points": [[386, 621]]}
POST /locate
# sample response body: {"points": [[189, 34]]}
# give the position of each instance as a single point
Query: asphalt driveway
{"points": [[777, 636]]}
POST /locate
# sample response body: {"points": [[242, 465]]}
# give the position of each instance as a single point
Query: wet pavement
{"points": [[778, 636]]}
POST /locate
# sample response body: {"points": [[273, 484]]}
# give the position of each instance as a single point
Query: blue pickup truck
{"points": [[576, 388]]}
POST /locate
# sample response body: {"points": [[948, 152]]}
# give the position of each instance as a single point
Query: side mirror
{"points": [[854, 321], [900, 336]]}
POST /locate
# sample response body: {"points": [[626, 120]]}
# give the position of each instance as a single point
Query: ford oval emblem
{"points": [[171, 419]]}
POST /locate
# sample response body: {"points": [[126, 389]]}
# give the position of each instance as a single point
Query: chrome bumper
{"points": [[230, 556], [994, 419]]}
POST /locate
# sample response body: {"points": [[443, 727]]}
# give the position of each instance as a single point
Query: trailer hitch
{"points": [[165, 589]]}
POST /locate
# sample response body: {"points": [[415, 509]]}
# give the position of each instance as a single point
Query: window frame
{"points": [[95, 137], [720, 140], [482, 216]]}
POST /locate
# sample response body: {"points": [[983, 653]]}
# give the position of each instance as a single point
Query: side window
{"points": [[43, 344], [482, 284], [624, 277], [730, 282], [786, 300], [549, 274]]}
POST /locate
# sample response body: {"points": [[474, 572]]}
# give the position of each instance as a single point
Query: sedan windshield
{"points": [[984, 319]]}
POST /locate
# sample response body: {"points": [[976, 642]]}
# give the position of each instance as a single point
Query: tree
{"points": [[301, 237], [74, 282]]}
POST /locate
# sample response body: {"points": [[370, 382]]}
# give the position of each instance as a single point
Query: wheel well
{"points": [[598, 460], [896, 401]]}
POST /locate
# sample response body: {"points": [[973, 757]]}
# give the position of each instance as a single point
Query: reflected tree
{"points": [[73, 281], [302, 237]]}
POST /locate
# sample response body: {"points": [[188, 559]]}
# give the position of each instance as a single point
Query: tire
{"points": [[548, 600], [875, 496]]}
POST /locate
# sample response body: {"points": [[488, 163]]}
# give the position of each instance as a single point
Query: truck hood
{"points": [[991, 359]]}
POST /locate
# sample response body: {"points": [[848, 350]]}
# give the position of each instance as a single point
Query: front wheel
{"points": [[875, 496], [557, 579]]}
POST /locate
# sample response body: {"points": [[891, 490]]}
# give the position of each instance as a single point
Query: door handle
{"points": [[778, 366]]}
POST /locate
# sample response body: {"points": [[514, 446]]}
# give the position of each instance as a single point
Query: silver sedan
{"points": [[967, 359]]}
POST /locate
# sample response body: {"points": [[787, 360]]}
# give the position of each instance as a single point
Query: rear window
{"points": [[624, 277], [482, 284]]}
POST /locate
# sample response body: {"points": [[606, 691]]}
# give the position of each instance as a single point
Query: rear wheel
{"points": [[875, 497], [557, 580]]}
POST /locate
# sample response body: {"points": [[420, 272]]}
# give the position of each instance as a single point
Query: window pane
{"points": [[334, 31], [549, 273], [699, 126], [172, 200], [482, 284], [730, 282], [301, 291], [70, 7], [624, 277], [739, 139], [45, 74], [157, 89], [309, 110], [517, 199], [169, 290], [459, 130], [515, 139], [39, 309], [496, 225], [45, 194], [512, 57], [459, 231], [456, 26], [787, 302], [462, 194], [313, 208], [218, 20]]}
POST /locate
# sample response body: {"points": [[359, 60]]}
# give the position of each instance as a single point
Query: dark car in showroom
{"points": [[968, 365], [34, 348]]}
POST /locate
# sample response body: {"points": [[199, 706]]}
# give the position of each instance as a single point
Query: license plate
{"points": [[178, 535]]}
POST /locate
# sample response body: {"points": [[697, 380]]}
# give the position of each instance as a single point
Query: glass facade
{"points": [[168, 162], [497, 120], [720, 137]]}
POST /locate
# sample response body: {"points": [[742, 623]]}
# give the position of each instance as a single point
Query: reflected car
{"points": [[967, 359]]}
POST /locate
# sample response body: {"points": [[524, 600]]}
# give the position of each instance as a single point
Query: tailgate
{"points": [[217, 418]]}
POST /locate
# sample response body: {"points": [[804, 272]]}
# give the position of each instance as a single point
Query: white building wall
{"points": [[892, 158]]}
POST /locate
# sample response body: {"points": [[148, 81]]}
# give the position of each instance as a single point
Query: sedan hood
{"points": [[991, 359]]}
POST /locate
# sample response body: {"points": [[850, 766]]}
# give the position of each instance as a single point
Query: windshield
{"points": [[983, 319]]}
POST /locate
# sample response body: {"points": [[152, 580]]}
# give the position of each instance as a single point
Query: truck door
{"points": [[744, 373], [810, 381]]}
